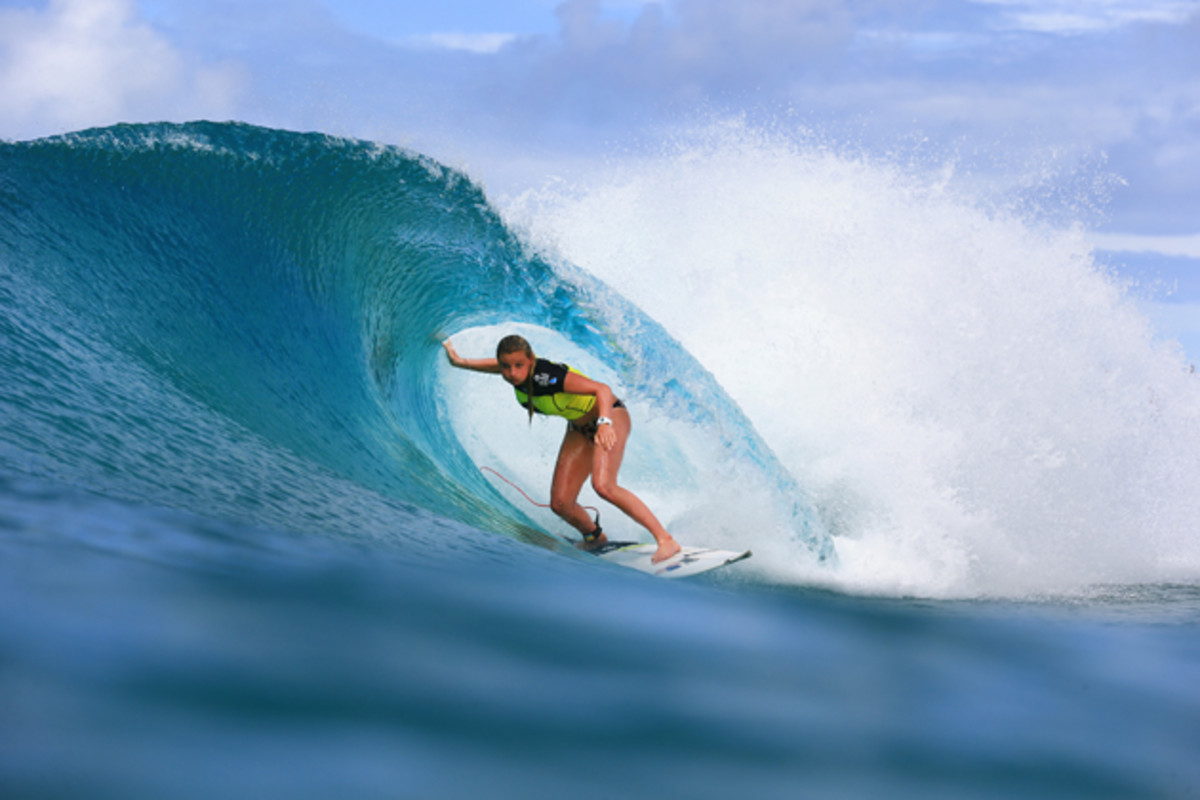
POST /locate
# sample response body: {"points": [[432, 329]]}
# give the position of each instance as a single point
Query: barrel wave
{"points": [[245, 539], [244, 323]]}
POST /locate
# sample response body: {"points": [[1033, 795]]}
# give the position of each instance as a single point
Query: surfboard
{"points": [[688, 561]]}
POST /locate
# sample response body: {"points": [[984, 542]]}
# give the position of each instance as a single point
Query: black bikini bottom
{"points": [[589, 430]]}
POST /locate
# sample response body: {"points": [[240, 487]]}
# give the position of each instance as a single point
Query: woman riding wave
{"points": [[598, 426]]}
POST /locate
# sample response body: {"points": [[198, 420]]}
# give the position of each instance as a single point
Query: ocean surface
{"points": [[248, 549]]}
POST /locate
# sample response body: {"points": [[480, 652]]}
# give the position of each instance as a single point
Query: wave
{"points": [[823, 353], [245, 323]]}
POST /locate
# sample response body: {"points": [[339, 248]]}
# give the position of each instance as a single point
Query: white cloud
{"points": [[1187, 246], [1074, 17], [482, 43], [89, 62]]}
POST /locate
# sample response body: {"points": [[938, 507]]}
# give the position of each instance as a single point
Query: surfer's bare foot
{"points": [[666, 548], [593, 543]]}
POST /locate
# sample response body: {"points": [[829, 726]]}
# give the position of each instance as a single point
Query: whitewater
{"points": [[246, 540], [970, 396]]}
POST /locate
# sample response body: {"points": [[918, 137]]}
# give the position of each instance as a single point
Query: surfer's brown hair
{"points": [[514, 344]]}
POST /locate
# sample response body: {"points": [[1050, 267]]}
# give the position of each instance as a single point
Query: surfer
{"points": [[598, 426]]}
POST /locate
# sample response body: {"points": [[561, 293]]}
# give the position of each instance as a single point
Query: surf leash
{"points": [[523, 493]]}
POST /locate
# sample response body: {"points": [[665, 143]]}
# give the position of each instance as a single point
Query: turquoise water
{"points": [[246, 549]]}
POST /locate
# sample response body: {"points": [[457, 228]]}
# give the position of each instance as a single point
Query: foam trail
{"points": [[974, 405]]}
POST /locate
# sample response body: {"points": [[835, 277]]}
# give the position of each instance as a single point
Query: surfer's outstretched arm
{"points": [[490, 365]]}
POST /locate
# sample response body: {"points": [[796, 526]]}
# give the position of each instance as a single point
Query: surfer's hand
{"points": [[606, 437], [455, 358]]}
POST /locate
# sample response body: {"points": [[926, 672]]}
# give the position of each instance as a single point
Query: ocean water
{"points": [[247, 549]]}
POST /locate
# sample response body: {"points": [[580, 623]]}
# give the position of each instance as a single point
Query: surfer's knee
{"points": [[561, 505], [607, 489]]}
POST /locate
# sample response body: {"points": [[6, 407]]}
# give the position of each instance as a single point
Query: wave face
{"points": [[245, 323]]}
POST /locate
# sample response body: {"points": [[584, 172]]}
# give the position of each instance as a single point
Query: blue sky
{"points": [[512, 90]]}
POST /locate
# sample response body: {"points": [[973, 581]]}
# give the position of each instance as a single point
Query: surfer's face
{"points": [[515, 367]]}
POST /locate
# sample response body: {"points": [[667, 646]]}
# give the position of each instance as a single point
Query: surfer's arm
{"points": [[490, 365], [574, 383]]}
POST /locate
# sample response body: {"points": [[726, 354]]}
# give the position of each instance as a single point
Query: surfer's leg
{"points": [[605, 466], [571, 470]]}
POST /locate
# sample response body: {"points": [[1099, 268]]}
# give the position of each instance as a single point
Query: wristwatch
{"points": [[603, 421]]}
